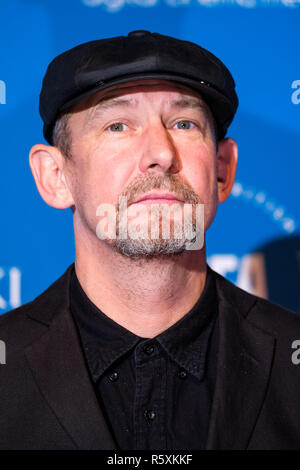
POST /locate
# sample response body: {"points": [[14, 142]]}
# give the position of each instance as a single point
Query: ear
{"points": [[47, 163], [227, 156]]}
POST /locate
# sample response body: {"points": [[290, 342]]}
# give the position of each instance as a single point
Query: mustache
{"points": [[171, 183]]}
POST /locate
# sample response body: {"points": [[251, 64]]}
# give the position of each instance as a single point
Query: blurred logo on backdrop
{"points": [[272, 271], [116, 5], [10, 290], [249, 270]]}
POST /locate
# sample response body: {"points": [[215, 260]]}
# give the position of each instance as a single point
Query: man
{"points": [[140, 345]]}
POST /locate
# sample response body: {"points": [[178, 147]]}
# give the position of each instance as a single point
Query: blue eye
{"points": [[117, 127], [184, 125]]}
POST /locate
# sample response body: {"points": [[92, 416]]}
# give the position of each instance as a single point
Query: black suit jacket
{"points": [[47, 400]]}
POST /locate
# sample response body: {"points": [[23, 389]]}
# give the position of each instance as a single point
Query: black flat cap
{"points": [[96, 65]]}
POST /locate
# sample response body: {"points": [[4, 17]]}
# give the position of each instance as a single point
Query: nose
{"points": [[159, 154]]}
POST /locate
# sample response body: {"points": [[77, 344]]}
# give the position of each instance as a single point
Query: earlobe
{"points": [[227, 156], [46, 163]]}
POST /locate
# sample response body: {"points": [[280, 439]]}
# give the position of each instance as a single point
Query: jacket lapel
{"points": [[244, 365], [58, 367]]}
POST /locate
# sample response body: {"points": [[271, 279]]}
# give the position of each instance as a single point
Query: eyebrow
{"points": [[106, 103], [189, 102]]}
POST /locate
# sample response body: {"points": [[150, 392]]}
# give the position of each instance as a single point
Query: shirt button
{"points": [[182, 374], [113, 376], [150, 415], [149, 349]]}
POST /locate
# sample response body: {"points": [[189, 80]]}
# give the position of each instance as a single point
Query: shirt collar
{"points": [[187, 340], [104, 341]]}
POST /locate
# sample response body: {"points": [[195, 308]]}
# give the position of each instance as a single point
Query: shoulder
{"points": [[17, 327], [267, 315]]}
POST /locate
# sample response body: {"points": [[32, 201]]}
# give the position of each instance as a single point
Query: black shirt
{"points": [[155, 393]]}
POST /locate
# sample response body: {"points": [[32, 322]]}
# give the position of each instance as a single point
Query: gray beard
{"points": [[177, 240], [146, 248]]}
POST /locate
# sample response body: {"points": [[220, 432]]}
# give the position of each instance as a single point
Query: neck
{"points": [[145, 296]]}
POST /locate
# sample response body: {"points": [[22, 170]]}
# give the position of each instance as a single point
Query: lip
{"points": [[159, 198]]}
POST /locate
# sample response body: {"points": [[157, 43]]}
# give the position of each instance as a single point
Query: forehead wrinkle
{"points": [[107, 103]]}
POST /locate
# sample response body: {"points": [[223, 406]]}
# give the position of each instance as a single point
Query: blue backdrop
{"points": [[255, 240]]}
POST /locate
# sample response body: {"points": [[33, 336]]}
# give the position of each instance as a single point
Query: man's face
{"points": [[149, 137]]}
